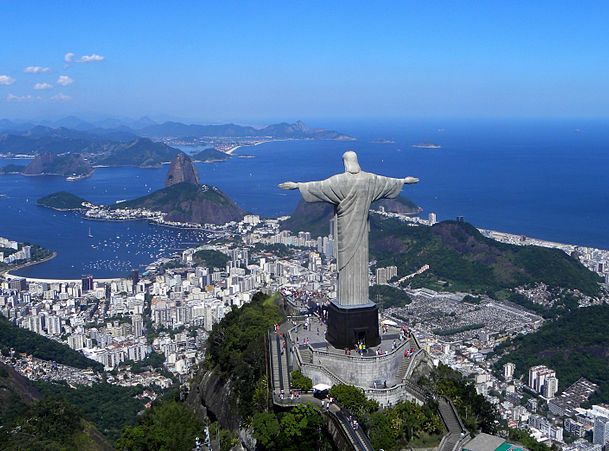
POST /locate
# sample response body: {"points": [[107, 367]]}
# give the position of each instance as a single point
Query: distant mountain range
{"points": [[284, 130], [114, 143], [27, 137]]}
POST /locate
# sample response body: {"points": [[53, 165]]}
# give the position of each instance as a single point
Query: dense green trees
{"points": [[395, 427], [391, 296], [109, 407], [354, 400], [462, 259], [23, 340], [300, 428], [475, 411], [524, 438], [61, 200], [391, 428], [50, 424], [210, 258], [300, 382], [236, 347], [169, 425]]}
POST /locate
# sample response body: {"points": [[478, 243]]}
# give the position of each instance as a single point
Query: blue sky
{"points": [[253, 61]]}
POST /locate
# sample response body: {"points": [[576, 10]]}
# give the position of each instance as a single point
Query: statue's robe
{"points": [[351, 195]]}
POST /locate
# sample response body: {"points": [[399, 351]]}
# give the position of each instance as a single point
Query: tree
{"points": [[300, 381], [301, 427], [266, 429], [354, 400], [169, 425]]}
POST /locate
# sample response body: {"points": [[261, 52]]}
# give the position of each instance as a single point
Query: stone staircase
{"points": [[279, 365], [306, 354], [456, 431], [449, 416]]}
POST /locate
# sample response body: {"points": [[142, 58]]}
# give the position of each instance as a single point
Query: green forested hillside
{"points": [[185, 202], [210, 155], [391, 296], [31, 421], [109, 407], [61, 200], [461, 258], [22, 340], [236, 347]]}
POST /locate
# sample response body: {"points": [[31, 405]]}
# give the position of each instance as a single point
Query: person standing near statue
{"points": [[352, 193]]}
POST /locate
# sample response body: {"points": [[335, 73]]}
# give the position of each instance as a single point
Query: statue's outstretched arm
{"points": [[288, 185]]}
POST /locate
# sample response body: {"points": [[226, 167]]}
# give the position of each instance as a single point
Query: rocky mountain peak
{"points": [[182, 170]]}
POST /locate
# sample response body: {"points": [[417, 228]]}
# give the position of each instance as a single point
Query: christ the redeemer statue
{"points": [[351, 193]]}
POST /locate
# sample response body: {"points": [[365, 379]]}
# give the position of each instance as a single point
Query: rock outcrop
{"points": [[211, 396], [181, 171]]}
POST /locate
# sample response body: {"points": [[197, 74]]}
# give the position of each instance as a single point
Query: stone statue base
{"points": [[348, 325]]}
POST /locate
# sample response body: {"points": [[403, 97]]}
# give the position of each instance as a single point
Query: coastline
{"points": [[7, 272]]}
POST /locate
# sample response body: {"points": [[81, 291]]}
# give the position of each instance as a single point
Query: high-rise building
{"points": [[550, 387], [137, 323], [600, 434], [53, 325], [432, 219], [538, 375], [135, 278], [508, 371], [381, 276], [87, 283]]}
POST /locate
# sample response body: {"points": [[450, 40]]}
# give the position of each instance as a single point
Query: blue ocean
{"points": [[545, 179]]}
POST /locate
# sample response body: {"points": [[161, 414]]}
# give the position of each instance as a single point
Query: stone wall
{"points": [[362, 371]]}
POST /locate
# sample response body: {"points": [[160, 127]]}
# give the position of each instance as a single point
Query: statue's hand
{"points": [[410, 180], [288, 185]]}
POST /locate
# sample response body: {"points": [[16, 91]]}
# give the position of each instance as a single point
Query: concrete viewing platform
{"points": [[383, 371]]}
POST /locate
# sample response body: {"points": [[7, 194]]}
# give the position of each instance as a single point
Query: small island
{"points": [[210, 155], [427, 146], [382, 141]]}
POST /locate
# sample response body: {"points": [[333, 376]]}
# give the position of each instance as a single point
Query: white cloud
{"points": [[92, 58], [36, 70], [6, 80], [64, 80], [14, 98], [41, 86], [71, 57], [60, 97]]}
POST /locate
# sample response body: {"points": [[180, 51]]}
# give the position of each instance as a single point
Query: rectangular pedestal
{"points": [[346, 326]]}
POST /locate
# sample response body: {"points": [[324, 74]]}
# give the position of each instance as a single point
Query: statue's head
{"points": [[351, 164]]}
